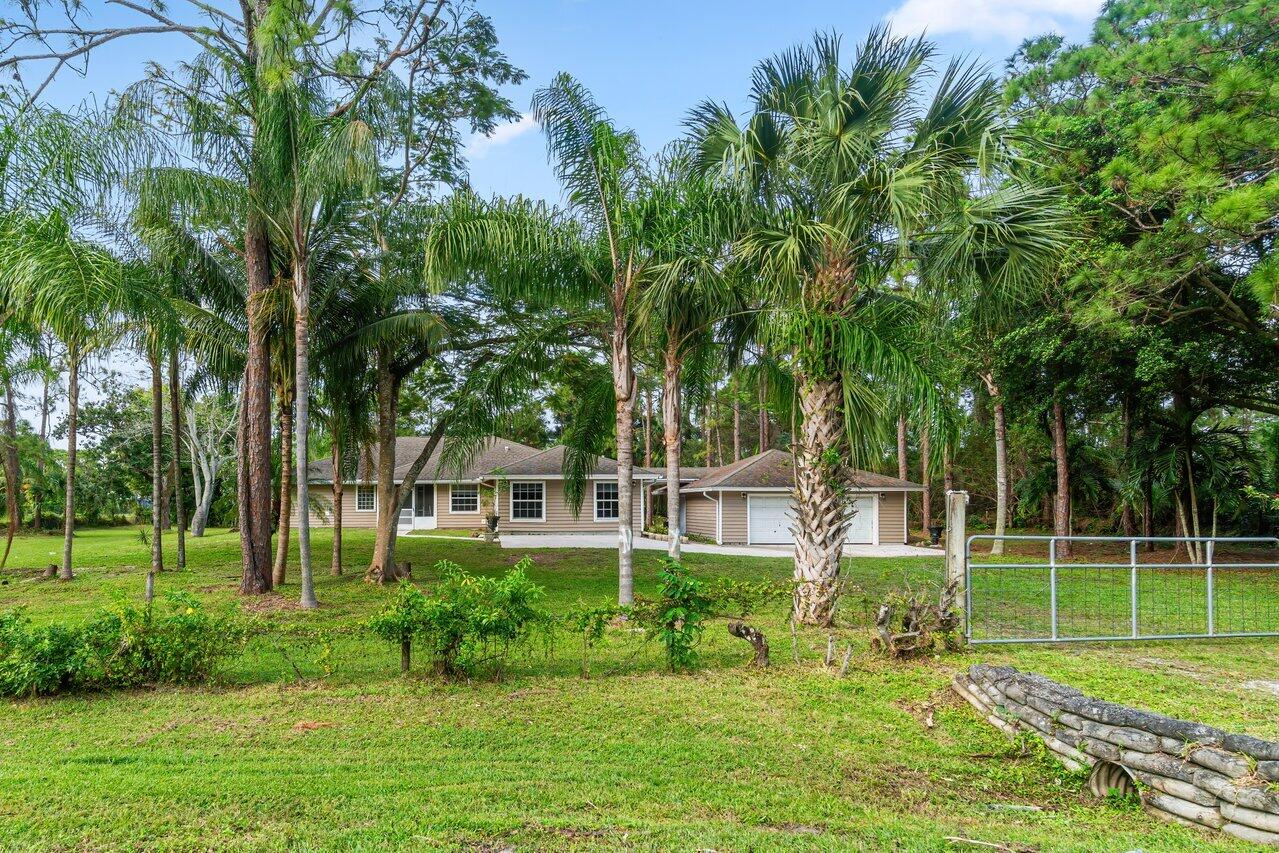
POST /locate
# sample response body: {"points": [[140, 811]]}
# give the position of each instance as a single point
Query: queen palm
{"points": [[690, 291], [595, 257], [850, 176], [73, 289]]}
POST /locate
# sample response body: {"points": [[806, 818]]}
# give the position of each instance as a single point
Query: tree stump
{"points": [[755, 637]]}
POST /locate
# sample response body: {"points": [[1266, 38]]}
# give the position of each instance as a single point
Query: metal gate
{"points": [[1131, 596]]}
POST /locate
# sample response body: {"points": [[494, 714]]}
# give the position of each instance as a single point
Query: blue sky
{"points": [[649, 61]]}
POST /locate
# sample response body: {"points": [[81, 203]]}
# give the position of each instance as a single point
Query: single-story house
{"points": [[522, 485], [750, 502]]}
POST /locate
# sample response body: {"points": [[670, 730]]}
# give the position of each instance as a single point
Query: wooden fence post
{"points": [[956, 558]]}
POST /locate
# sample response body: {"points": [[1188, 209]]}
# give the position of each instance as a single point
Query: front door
{"points": [[424, 506]]}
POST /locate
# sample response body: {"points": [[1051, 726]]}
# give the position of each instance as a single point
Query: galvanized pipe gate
{"points": [[1103, 598]]}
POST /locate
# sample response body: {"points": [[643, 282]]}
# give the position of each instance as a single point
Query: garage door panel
{"points": [[769, 519], [861, 525]]}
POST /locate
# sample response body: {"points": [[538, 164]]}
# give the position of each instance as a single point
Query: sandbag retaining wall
{"points": [[1189, 772]]}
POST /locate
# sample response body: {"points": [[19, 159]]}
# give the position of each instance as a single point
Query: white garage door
{"points": [[861, 530], [769, 519]]}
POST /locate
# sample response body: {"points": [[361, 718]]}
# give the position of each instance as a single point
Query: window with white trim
{"points": [[365, 498], [528, 502], [607, 503], [464, 498]]}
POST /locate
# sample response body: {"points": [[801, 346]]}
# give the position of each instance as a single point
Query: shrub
{"points": [[401, 620], [676, 618], [468, 621], [130, 646], [589, 622], [35, 660]]}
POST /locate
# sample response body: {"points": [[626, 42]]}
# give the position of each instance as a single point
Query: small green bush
{"points": [[401, 620], [469, 621], [678, 617], [125, 647], [37, 660], [131, 646]]}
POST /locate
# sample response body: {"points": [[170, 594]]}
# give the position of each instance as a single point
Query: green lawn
{"points": [[321, 744]]}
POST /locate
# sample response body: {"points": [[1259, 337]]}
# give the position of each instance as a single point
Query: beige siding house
{"points": [[523, 486], [750, 503]]}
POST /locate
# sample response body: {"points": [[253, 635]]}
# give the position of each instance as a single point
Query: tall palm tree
{"points": [[596, 255], [326, 163], [690, 291], [850, 176], [73, 289]]}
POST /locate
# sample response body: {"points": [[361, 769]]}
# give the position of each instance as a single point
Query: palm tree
{"points": [[689, 292], [324, 163], [73, 289], [850, 178], [594, 256]]}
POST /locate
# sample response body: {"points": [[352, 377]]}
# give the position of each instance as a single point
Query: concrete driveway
{"points": [[592, 540]]}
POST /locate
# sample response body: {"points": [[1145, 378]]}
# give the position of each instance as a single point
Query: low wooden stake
{"points": [[848, 655]]}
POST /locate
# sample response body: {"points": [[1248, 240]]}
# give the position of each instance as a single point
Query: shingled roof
{"points": [[550, 463], [496, 452], [774, 469]]}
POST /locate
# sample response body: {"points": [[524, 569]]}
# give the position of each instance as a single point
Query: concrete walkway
{"points": [[590, 540]]}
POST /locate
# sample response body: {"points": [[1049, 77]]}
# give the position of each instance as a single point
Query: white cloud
{"points": [[992, 19], [479, 144]]}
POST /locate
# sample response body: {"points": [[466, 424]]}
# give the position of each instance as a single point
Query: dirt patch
{"points": [[1271, 687], [311, 725], [269, 604]]}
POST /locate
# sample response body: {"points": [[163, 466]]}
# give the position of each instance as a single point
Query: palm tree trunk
{"points": [[926, 478], [737, 422], [157, 463], [336, 568], [73, 414], [302, 385], [12, 468], [903, 463], [387, 496], [672, 423], [821, 522], [254, 444], [763, 413], [1193, 500], [1061, 504], [648, 429], [175, 469], [624, 396], [948, 470], [280, 567], [37, 496]]}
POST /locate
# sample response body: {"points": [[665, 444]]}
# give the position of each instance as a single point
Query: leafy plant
{"points": [[35, 660], [468, 621], [401, 620], [589, 623], [130, 646], [678, 617]]}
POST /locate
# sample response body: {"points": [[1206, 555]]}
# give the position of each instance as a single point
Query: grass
{"points": [[321, 744]]}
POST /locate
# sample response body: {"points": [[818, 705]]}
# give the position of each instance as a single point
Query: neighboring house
{"points": [[751, 502], [522, 485]]}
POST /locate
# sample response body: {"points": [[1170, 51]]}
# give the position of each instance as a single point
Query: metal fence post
{"points": [[1211, 596], [1052, 584], [1132, 583], [956, 545]]}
